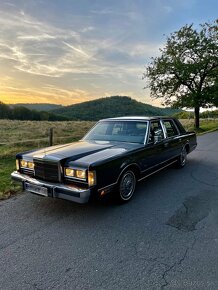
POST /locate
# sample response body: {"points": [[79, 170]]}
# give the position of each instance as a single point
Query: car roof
{"points": [[136, 118]]}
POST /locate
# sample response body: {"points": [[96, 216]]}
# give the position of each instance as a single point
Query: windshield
{"points": [[123, 131]]}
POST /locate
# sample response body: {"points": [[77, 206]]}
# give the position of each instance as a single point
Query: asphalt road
{"points": [[165, 238]]}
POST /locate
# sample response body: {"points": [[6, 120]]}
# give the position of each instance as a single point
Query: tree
{"points": [[5, 111], [186, 72]]}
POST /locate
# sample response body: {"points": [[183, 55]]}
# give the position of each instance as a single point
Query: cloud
{"points": [[87, 29], [33, 45], [145, 50], [168, 9], [36, 48], [40, 37], [9, 4], [114, 12], [79, 50]]}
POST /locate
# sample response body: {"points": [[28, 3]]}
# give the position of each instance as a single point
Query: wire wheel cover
{"points": [[127, 185]]}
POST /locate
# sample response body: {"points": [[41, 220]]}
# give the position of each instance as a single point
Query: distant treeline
{"points": [[22, 113], [190, 115], [37, 106]]}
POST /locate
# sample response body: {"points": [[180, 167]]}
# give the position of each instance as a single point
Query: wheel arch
{"points": [[187, 147], [133, 167]]}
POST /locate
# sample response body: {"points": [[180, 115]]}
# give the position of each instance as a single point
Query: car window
{"points": [[170, 128], [156, 132]]}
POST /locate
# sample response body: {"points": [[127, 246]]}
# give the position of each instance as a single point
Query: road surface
{"points": [[165, 238]]}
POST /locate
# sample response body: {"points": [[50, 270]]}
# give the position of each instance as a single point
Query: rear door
{"points": [[173, 139]]}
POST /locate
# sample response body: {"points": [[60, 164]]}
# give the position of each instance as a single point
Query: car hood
{"points": [[84, 152]]}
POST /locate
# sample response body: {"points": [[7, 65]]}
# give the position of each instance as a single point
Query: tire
{"points": [[126, 186], [182, 159]]}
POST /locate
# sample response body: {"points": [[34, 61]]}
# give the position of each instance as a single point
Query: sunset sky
{"points": [[65, 52]]}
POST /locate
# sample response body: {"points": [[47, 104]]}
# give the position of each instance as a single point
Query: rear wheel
{"points": [[126, 186], [182, 159]]}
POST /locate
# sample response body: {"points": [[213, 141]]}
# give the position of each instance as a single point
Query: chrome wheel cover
{"points": [[127, 185], [183, 157]]}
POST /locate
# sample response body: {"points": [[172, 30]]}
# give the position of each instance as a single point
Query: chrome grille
{"points": [[46, 171]]}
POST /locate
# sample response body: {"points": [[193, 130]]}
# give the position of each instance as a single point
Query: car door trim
{"points": [[159, 169]]}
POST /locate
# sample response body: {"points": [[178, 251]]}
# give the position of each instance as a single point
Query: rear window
{"points": [[179, 126], [170, 128]]}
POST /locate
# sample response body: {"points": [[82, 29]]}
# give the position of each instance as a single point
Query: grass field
{"points": [[19, 136], [36, 132]]}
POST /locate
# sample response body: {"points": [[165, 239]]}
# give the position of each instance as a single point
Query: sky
{"points": [[70, 51]]}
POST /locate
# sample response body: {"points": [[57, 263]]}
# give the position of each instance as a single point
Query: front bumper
{"points": [[55, 190]]}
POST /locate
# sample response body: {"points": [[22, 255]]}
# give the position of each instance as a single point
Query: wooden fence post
{"points": [[50, 136]]}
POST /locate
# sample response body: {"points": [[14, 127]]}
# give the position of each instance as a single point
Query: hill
{"points": [[109, 107], [37, 107]]}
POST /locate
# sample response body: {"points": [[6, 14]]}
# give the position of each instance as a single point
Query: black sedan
{"points": [[112, 157]]}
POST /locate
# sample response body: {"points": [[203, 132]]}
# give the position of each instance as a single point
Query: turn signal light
{"points": [[91, 178]]}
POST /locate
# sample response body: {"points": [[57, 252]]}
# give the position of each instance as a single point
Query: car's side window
{"points": [[170, 128], [156, 132]]}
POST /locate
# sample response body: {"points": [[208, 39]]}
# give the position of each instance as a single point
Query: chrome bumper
{"points": [[55, 190]]}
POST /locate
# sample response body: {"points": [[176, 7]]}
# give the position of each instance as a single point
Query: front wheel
{"points": [[182, 159], [126, 186]]}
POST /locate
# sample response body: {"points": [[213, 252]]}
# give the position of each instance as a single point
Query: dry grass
{"points": [[37, 131], [205, 125]]}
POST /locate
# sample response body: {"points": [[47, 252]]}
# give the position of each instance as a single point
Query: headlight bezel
{"points": [[89, 175], [75, 172], [24, 164]]}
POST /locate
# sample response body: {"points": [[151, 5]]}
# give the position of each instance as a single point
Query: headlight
{"points": [[80, 174], [75, 173], [69, 172], [26, 164], [23, 163], [30, 165]]}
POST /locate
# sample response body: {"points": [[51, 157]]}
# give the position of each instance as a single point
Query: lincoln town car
{"points": [[110, 159]]}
